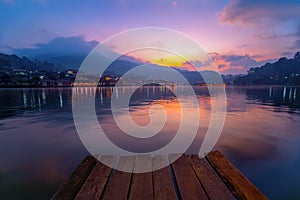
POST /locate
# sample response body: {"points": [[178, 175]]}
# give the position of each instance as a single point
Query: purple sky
{"points": [[238, 34]]}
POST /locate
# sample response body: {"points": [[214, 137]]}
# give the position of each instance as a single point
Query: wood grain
{"points": [[94, 184], [187, 181], [162, 181], [73, 184], [141, 185], [214, 187], [189, 177], [118, 186], [242, 188]]}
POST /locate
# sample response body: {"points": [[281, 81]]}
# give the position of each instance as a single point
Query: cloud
{"points": [[241, 46], [258, 12], [6, 49], [287, 54], [271, 23], [234, 63], [202, 65], [265, 36], [296, 46], [59, 46], [188, 66]]}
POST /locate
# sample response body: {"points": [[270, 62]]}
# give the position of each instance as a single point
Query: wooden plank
{"points": [[141, 185], [242, 188], [186, 179], [214, 187], [194, 179], [73, 184], [118, 186], [94, 184], [163, 186]]}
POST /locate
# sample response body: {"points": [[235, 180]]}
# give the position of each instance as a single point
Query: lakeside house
{"points": [[55, 83], [11, 76]]}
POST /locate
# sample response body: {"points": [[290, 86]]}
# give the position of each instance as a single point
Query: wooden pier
{"points": [[189, 177]]}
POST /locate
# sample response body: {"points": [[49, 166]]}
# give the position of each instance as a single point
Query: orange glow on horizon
{"points": [[162, 58]]}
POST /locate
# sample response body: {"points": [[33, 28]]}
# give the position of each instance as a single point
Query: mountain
{"points": [[149, 72], [68, 61], [16, 62], [282, 72], [62, 51]]}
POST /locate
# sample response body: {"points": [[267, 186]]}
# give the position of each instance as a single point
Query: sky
{"points": [[237, 34]]}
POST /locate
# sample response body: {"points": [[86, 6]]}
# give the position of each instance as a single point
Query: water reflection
{"points": [[19, 101], [285, 97], [39, 145]]}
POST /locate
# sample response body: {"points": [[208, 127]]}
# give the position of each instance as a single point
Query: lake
{"points": [[40, 147]]}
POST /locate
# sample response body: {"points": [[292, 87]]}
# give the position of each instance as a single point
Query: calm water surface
{"points": [[39, 145]]}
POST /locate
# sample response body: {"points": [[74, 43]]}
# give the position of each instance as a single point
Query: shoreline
{"points": [[105, 86]]}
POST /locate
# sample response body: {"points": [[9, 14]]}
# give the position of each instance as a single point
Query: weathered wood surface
{"points": [[118, 186], [73, 184], [163, 186], [188, 177], [241, 187], [188, 184], [94, 184], [214, 187], [141, 184]]}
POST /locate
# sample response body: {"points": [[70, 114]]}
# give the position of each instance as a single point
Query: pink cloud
{"points": [[188, 66], [234, 63], [260, 12]]}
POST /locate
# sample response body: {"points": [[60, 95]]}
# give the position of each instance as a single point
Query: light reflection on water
{"points": [[39, 146]]}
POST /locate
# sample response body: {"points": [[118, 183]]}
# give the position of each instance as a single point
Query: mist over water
{"points": [[39, 145]]}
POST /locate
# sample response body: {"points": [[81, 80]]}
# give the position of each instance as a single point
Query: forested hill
{"points": [[14, 61], [282, 72]]}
